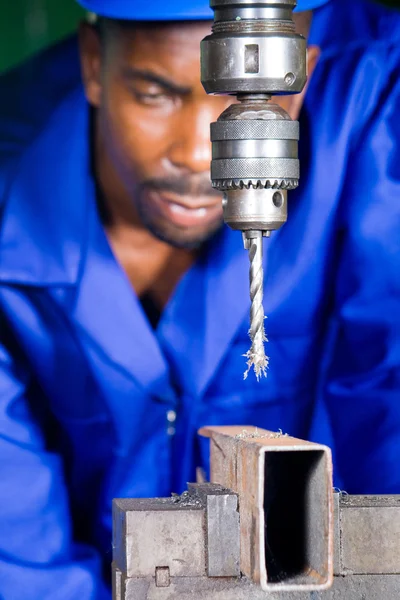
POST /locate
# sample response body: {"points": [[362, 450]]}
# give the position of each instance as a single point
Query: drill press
{"points": [[254, 53]]}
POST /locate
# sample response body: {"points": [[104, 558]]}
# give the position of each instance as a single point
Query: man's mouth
{"points": [[179, 209], [201, 211]]}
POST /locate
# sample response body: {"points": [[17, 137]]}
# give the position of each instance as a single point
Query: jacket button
{"points": [[171, 416]]}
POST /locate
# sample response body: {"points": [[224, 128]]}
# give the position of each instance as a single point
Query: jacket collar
{"points": [[46, 208]]}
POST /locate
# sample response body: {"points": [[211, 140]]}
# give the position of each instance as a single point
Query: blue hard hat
{"points": [[165, 10]]}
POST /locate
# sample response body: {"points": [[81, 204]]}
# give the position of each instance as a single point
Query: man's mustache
{"points": [[183, 186]]}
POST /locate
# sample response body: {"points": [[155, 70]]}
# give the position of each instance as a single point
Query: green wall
{"points": [[28, 25]]}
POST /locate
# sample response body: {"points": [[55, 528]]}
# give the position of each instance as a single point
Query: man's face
{"points": [[153, 125]]}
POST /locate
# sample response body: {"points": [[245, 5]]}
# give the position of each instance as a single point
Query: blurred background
{"points": [[28, 25]]}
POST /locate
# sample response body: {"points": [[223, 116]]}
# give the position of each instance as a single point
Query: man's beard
{"points": [[167, 231]]}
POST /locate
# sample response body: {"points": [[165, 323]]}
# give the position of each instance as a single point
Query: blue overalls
{"points": [[96, 404]]}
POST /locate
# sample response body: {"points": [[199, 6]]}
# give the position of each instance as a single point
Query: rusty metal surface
{"points": [[248, 461]]}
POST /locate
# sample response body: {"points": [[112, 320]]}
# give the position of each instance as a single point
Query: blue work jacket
{"points": [[96, 404]]}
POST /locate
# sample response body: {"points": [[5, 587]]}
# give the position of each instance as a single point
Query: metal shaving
{"points": [[186, 499], [340, 492], [257, 358], [258, 434]]}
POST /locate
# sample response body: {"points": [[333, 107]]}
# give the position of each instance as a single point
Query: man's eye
{"points": [[152, 95]]}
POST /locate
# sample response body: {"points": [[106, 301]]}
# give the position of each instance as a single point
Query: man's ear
{"points": [[293, 104], [90, 54]]}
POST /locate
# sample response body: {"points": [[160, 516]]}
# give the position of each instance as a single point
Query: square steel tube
{"points": [[285, 504]]}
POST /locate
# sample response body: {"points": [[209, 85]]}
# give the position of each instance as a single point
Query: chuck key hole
{"points": [[277, 199]]}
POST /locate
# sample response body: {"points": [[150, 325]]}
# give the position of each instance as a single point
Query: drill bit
{"points": [[256, 355]]}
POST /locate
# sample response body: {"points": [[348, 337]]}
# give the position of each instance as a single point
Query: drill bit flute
{"points": [[256, 355], [253, 53]]}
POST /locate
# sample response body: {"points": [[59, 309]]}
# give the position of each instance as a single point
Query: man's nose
{"points": [[190, 149]]}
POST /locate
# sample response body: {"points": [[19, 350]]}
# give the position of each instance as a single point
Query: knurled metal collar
{"points": [[255, 130]]}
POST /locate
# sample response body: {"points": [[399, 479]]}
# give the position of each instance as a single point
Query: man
{"points": [[124, 302]]}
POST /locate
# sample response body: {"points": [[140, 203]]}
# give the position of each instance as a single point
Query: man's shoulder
{"points": [[356, 80], [341, 25], [30, 93]]}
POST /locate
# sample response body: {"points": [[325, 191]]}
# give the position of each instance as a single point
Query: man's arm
{"points": [[38, 559], [361, 387]]}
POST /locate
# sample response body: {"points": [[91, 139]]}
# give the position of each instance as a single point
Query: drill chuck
{"points": [[254, 163], [254, 52]]}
